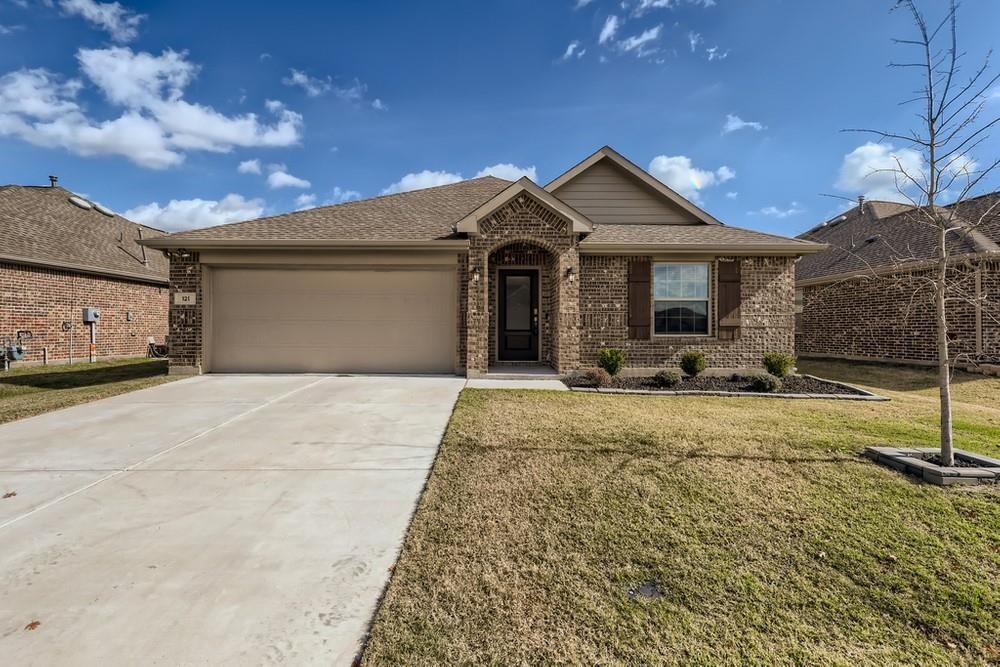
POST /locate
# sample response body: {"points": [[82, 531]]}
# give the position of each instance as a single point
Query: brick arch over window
{"points": [[526, 226]]}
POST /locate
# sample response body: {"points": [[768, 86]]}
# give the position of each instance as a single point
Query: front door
{"points": [[518, 315]]}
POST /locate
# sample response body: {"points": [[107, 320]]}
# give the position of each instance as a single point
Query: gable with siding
{"points": [[607, 194]]}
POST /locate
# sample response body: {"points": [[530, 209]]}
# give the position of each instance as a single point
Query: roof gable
{"points": [[579, 223], [611, 189]]}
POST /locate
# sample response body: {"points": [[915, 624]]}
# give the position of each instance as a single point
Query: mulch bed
{"points": [[793, 384]]}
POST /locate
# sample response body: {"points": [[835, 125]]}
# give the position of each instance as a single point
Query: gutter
{"points": [[83, 268], [881, 271], [167, 243], [701, 249]]}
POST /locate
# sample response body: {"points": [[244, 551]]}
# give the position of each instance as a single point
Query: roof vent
{"points": [[103, 209], [873, 238], [53, 180], [82, 203]]}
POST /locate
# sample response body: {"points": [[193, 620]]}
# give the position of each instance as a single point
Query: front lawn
{"points": [[30, 390], [761, 533]]}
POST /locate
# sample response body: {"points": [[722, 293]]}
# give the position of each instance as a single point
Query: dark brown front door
{"points": [[518, 315]]}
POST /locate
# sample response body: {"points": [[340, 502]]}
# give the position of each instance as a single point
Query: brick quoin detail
{"points": [[41, 299], [767, 315], [892, 318]]}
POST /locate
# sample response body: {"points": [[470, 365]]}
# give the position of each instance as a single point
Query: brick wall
{"points": [[892, 317], [767, 324], [41, 299], [522, 221], [185, 321]]}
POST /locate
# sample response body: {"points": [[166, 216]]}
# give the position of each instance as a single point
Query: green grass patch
{"points": [[30, 390], [768, 538]]}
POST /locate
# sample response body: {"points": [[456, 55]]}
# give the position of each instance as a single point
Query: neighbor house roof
{"points": [[40, 226], [417, 216], [879, 236]]}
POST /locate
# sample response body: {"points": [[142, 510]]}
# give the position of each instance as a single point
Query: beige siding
{"points": [[607, 195]]}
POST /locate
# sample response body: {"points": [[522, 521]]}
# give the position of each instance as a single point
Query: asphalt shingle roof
{"points": [[39, 225], [696, 235], [420, 215], [886, 234]]}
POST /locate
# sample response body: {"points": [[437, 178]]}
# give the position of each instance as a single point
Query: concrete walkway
{"points": [[218, 520]]}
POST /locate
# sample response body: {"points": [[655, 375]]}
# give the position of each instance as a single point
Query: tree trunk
{"points": [[944, 367]]}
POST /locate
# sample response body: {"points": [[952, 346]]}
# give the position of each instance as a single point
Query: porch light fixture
{"points": [[571, 273], [475, 274]]}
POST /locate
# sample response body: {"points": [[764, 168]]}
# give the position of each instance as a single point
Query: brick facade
{"points": [[186, 322], [41, 299], [532, 233], [767, 316], [891, 318]]}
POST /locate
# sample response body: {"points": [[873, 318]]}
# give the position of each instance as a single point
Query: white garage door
{"points": [[333, 321]]}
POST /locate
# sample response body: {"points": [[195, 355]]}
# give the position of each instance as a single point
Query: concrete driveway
{"points": [[215, 520]]}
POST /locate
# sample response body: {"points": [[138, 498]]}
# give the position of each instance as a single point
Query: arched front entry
{"points": [[521, 319]]}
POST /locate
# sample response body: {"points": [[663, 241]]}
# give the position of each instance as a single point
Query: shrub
{"points": [[693, 362], [667, 378], [779, 364], [598, 377], [611, 359], [765, 383]]}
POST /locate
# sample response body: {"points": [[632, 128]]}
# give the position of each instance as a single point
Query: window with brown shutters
{"points": [[639, 276], [729, 300]]}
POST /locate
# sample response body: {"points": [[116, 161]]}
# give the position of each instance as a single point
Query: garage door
{"points": [[324, 321]]}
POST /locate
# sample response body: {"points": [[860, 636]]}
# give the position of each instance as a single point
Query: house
{"points": [[863, 297], [59, 254], [482, 275]]}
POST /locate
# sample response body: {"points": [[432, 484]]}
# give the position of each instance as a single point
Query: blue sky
{"points": [[195, 113]]}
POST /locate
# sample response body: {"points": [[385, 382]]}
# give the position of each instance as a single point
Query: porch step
{"points": [[503, 375]]}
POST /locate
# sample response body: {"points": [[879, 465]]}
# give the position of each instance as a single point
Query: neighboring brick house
{"points": [[58, 257], [481, 276], [866, 296]]}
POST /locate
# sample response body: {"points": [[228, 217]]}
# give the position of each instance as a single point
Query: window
{"points": [[680, 299], [799, 300]]}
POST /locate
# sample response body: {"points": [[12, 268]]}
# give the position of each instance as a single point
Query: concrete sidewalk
{"points": [[216, 520]]}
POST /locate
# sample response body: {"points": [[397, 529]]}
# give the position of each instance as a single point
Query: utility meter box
{"points": [[91, 315]]}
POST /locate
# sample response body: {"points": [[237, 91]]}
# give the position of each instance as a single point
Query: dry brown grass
{"points": [[769, 538]]}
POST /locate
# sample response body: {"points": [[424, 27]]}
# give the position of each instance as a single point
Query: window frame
{"points": [[710, 284]]}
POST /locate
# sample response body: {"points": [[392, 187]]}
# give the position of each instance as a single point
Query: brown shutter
{"points": [[638, 299], [729, 300]]}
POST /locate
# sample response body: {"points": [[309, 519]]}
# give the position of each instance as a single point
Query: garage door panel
{"points": [[271, 320]]}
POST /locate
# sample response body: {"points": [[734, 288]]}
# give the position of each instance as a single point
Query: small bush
{"points": [[765, 383], [611, 359], [693, 363], [779, 364], [668, 378], [598, 377]]}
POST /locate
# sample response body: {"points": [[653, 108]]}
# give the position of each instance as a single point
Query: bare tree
{"points": [[952, 111]]}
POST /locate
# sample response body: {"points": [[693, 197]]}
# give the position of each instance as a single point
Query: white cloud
{"points": [[10, 29], [645, 5], [694, 39], [682, 176], [422, 179], [732, 195], [118, 21], [340, 195], [870, 169], [508, 172], [638, 42], [249, 167], [775, 212], [280, 178], [379, 105], [180, 214], [714, 53], [580, 4], [156, 126], [734, 123], [314, 87], [305, 201], [610, 29], [573, 50]]}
